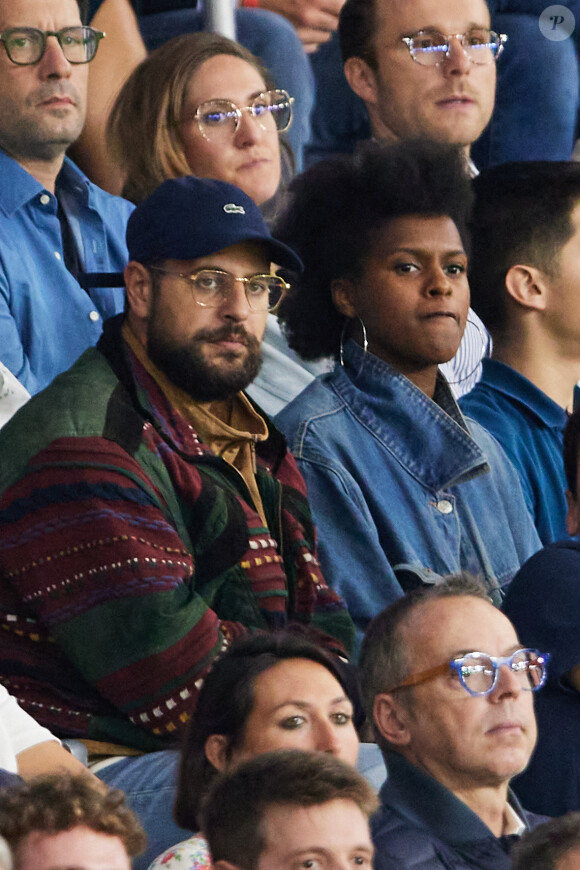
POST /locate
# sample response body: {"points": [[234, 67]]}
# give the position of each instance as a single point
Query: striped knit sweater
{"points": [[130, 554]]}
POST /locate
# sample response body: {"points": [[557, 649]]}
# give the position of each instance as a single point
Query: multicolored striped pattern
{"points": [[130, 555]]}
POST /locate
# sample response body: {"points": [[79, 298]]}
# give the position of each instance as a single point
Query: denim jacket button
{"points": [[444, 506]]}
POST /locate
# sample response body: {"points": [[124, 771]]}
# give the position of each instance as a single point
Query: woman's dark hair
{"points": [[226, 700], [334, 212]]}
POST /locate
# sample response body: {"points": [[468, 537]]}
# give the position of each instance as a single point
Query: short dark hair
{"points": [[521, 215], [334, 212], [542, 848], [571, 448], [225, 701], [383, 659], [59, 802], [356, 30], [232, 817]]}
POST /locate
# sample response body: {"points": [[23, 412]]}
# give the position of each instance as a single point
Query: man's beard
{"points": [[185, 365]]}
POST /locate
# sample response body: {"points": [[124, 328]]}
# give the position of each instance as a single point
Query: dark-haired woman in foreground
{"points": [[403, 488], [266, 693]]}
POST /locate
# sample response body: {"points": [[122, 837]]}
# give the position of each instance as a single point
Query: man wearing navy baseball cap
{"points": [[149, 511]]}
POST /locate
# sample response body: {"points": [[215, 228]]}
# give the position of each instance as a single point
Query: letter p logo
{"points": [[557, 23]]}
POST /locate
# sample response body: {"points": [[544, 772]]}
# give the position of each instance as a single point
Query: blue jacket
{"points": [[529, 425], [47, 320], [402, 489], [421, 825], [543, 603]]}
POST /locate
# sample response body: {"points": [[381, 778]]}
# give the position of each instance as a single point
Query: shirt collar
{"points": [[422, 799], [517, 387], [513, 824], [19, 187]]}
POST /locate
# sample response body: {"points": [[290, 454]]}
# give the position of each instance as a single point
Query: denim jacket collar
{"points": [[367, 385]]}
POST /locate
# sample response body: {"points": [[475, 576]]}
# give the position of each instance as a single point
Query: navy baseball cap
{"points": [[186, 218]]}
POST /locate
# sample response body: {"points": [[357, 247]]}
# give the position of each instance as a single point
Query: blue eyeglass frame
{"points": [[496, 662]]}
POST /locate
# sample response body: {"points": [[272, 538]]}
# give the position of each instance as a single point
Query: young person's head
{"points": [[174, 116], [449, 686], [66, 821], [383, 239], [283, 809], [265, 693], [555, 845], [525, 257], [415, 79]]}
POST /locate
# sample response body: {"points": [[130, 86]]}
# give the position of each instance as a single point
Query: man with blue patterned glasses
{"points": [[449, 689], [478, 673]]}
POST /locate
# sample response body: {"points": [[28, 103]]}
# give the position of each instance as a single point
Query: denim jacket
{"points": [[403, 489]]}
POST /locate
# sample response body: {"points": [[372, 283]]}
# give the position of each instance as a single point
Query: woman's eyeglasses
{"points": [[218, 120]]}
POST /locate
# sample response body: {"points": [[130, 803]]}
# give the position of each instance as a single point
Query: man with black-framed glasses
{"points": [[449, 689], [58, 232]]}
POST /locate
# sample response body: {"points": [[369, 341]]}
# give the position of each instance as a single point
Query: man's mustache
{"points": [[227, 333]]}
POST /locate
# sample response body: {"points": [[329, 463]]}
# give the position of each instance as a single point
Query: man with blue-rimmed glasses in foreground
{"points": [[449, 689]]}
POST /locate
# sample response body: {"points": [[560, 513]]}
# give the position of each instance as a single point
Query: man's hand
{"points": [[314, 20]]}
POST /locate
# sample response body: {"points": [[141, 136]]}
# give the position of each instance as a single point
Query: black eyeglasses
{"points": [[478, 672], [25, 46]]}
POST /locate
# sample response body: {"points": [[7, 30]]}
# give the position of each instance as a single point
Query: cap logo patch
{"points": [[232, 208]]}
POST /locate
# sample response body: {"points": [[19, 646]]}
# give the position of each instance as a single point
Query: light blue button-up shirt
{"points": [[46, 318]]}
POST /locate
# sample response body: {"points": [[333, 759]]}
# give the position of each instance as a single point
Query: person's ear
{"points": [[361, 79], [572, 524], [216, 751], [391, 720], [342, 292], [138, 287], [527, 286]]}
